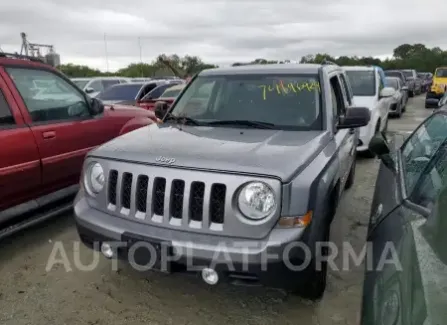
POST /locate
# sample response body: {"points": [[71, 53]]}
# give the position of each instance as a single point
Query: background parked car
{"points": [[139, 80], [407, 228], [93, 86], [166, 92], [443, 102], [128, 93], [369, 91], [399, 74], [437, 88], [414, 83], [398, 100], [44, 140], [426, 80]]}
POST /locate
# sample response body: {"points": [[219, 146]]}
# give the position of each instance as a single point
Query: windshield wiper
{"points": [[253, 124], [181, 119]]}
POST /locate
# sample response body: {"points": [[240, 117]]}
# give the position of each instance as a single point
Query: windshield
{"points": [[81, 83], [171, 93], [286, 101], [363, 83], [393, 74], [441, 73], [391, 82], [120, 92], [408, 73]]}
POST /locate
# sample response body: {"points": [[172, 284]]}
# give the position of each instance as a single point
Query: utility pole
{"points": [[141, 49], [106, 52], [141, 57]]}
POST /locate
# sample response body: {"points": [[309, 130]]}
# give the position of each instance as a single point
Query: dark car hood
{"points": [[265, 152]]}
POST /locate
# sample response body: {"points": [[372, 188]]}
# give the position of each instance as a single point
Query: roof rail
{"points": [[20, 56], [327, 62]]}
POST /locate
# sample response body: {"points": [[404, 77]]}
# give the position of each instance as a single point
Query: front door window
{"points": [[55, 100], [419, 150]]}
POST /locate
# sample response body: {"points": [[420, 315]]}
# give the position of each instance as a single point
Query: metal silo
{"points": [[53, 59]]}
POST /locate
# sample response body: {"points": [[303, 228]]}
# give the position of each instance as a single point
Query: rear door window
{"points": [[109, 82], [96, 85]]}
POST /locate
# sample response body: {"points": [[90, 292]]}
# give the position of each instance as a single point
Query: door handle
{"points": [[49, 134]]}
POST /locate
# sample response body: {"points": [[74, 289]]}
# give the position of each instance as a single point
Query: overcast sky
{"points": [[220, 32]]}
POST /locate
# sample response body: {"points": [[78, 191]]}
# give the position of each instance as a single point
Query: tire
{"points": [[411, 94], [351, 176], [404, 106], [316, 280], [398, 113]]}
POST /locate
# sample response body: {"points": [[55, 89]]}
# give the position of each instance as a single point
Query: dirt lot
{"points": [[31, 295]]}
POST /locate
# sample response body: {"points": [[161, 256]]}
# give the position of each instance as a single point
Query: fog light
{"points": [[107, 250], [210, 276]]}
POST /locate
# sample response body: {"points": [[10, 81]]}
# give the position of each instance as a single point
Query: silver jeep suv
{"points": [[239, 182]]}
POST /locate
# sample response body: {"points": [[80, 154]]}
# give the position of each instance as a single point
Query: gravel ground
{"points": [[31, 295]]}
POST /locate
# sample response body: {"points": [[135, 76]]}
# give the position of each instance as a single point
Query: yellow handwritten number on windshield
{"points": [[283, 89]]}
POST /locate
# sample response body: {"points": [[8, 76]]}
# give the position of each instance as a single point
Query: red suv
{"points": [[47, 125]]}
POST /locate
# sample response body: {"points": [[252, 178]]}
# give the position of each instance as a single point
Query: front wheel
{"points": [[398, 111], [351, 177], [411, 93], [316, 273]]}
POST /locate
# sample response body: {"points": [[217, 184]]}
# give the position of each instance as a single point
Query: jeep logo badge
{"points": [[165, 160]]}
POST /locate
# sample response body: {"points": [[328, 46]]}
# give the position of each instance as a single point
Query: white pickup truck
{"points": [[368, 88]]}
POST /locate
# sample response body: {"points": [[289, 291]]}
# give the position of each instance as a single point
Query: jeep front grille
{"points": [[174, 201]]}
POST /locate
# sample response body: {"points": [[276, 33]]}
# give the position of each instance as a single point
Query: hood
{"points": [[127, 111], [440, 81], [365, 101], [121, 102], [276, 153], [439, 85]]}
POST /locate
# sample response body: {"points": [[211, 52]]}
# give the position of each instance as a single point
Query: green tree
{"points": [[183, 66], [405, 56]]}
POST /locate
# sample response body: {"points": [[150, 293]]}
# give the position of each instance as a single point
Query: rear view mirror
{"points": [[355, 117], [160, 109]]}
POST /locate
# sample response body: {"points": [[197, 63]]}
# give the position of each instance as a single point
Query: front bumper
{"points": [[432, 99], [273, 261]]}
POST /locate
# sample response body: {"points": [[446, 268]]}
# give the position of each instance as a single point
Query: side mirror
{"points": [[379, 146], [160, 109], [405, 88], [96, 106], [89, 90], [355, 117], [387, 92]]}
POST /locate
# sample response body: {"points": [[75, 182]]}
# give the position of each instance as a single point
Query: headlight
{"points": [[256, 200], [94, 178]]}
